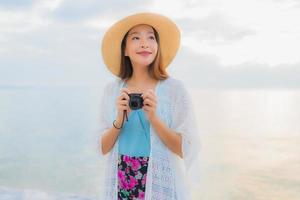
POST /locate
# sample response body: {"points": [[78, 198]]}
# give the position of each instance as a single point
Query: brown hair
{"points": [[155, 69]]}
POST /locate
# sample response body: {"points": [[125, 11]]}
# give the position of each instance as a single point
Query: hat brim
{"points": [[169, 36]]}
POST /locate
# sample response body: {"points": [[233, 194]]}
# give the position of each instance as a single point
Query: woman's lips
{"points": [[144, 53]]}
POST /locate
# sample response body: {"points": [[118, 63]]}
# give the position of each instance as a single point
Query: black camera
{"points": [[135, 101]]}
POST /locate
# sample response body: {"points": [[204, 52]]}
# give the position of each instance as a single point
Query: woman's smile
{"points": [[144, 53]]}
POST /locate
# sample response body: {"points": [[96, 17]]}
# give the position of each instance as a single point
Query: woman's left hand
{"points": [[150, 104]]}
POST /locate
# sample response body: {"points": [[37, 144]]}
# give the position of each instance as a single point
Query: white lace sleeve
{"points": [[183, 121], [104, 120]]}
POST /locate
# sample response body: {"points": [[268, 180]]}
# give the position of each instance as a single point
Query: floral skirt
{"points": [[132, 174]]}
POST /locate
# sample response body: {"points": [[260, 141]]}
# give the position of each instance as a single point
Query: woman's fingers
{"points": [[123, 99], [122, 107], [123, 95], [149, 96], [149, 102], [124, 102]]}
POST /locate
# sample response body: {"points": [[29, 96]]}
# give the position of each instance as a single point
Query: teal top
{"points": [[134, 138]]}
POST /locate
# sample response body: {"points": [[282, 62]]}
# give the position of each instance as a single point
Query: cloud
{"points": [[214, 28], [77, 10], [38, 46], [206, 71], [293, 3], [24, 21], [57, 54], [15, 4]]}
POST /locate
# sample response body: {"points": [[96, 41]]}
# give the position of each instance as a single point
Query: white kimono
{"points": [[167, 175]]}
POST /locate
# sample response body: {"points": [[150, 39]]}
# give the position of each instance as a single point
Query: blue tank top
{"points": [[134, 137]]}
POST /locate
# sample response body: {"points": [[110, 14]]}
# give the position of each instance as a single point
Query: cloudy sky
{"points": [[233, 43]]}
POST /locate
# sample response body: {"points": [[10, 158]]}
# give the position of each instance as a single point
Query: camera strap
{"points": [[124, 114]]}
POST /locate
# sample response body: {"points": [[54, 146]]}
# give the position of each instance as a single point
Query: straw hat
{"points": [[169, 36]]}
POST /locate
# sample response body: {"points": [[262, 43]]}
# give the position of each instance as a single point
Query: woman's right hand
{"points": [[122, 104]]}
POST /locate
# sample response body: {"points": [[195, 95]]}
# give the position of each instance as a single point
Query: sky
{"points": [[224, 44]]}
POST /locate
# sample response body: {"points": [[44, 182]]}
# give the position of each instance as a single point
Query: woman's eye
{"points": [[137, 38]]}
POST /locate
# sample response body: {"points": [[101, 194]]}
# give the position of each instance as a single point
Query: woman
{"points": [[149, 154]]}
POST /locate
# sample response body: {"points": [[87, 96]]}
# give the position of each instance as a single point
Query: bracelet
{"points": [[115, 125], [124, 114]]}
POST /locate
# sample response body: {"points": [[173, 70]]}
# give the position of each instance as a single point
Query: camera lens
{"points": [[136, 101], [134, 104]]}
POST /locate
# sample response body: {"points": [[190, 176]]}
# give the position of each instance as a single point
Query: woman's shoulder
{"points": [[112, 85], [174, 84]]}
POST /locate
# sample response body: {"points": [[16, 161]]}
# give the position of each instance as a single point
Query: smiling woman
{"points": [[142, 46], [150, 154]]}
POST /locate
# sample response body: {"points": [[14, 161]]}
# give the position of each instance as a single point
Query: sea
{"points": [[49, 143]]}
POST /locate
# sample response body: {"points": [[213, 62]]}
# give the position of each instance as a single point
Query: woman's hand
{"points": [[150, 103], [122, 104]]}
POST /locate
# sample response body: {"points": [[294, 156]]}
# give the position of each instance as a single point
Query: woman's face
{"points": [[141, 45]]}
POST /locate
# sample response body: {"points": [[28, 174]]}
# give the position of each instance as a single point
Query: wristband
{"points": [[115, 125], [124, 114]]}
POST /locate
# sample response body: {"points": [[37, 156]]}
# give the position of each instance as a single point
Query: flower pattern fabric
{"points": [[132, 175]]}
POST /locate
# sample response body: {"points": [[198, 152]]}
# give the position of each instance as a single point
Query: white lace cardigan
{"points": [[168, 174]]}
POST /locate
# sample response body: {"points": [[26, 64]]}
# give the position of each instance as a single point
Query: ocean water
{"points": [[250, 144], [48, 143]]}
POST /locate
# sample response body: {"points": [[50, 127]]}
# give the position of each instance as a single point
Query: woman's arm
{"points": [[109, 138], [170, 138]]}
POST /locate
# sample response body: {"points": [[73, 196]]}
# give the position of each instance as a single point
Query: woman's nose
{"points": [[144, 43]]}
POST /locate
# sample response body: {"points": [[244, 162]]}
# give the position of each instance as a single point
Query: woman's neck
{"points": [[141, 82], [140, 79]]}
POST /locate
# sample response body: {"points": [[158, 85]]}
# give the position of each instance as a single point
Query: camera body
{"points": [[135, 101]]}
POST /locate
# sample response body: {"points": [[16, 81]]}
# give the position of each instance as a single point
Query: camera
{"points": [[135, 101]]}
